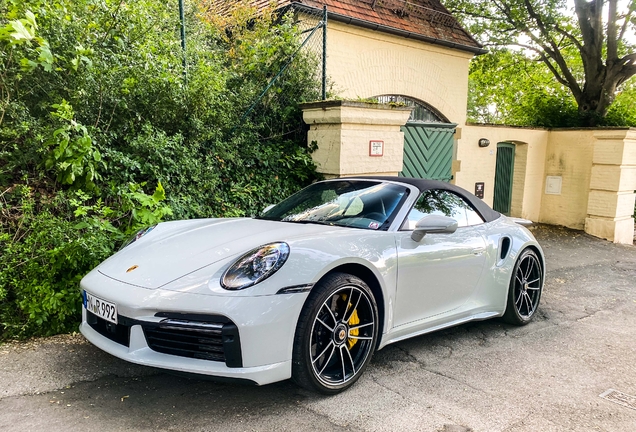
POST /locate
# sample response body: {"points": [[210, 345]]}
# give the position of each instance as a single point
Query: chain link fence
{"points": [[302, 78]]}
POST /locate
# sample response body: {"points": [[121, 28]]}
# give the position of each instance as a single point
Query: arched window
{"points": [[423, 112]]}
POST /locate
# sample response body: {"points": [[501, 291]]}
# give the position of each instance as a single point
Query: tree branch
{"points": [[555, 52], [576, 91], [565, 76], [627, 73], [591, 25], [628, 18], [612, 32], [545, 60], [626, 60], [570, 36]]}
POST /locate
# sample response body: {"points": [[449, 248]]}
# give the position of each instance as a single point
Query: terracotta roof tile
{"points": [[425, 18]]}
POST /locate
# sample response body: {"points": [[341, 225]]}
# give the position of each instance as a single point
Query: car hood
{"points": [[174, 249]]}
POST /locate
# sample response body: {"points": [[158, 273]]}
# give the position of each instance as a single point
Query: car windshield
{"points": [[351, 203]]}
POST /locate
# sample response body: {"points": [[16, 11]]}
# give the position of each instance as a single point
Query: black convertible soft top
{"points": [[481, 207]]}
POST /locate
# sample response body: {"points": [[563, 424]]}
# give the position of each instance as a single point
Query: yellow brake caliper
{"points": [[353, 320]]}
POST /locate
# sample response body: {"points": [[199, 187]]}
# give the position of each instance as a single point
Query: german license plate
{"points": [[100, 307]]}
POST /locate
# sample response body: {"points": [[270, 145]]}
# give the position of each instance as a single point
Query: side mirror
{"points": [[433, 224], [268, 208]]}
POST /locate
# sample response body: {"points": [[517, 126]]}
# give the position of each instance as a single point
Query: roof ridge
{"points": [[428, 19]]}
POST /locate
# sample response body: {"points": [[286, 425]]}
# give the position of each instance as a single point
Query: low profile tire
{"points": [[525, 288], [336, 334]]}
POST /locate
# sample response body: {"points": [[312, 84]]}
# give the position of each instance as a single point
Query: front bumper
{"points": [[265, 326]]}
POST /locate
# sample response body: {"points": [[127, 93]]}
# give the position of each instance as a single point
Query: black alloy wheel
{"points": [[336, 334], [525, 289]]}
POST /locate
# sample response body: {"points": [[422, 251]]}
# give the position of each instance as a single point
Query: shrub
{"points": [[97, 109]]}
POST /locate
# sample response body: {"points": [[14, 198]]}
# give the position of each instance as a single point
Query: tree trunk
{"points": [[599, 93], [594, 101], [602, 75]]}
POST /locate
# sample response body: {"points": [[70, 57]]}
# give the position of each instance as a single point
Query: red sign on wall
{"points": [[376, 148]]}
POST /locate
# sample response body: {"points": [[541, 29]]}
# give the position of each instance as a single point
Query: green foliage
{"points": [[41, 266], [21, 33], [96, 107], [47, 255], [73, 157], [575, 61], [623, 110], [508, 87]]}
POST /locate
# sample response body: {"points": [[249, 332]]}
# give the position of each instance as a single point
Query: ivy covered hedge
{"points": [[103, 131]]}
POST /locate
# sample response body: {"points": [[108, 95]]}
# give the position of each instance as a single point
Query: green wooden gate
{"points": [[428, 150], [503, 177]]}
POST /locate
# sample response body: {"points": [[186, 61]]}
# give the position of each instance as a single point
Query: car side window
{"points": [[445, 203]]}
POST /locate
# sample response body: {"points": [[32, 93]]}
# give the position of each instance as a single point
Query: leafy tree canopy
{"points": [[587, 47]]}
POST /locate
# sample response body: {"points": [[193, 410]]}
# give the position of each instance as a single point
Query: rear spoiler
{"points": [[524, 222]]}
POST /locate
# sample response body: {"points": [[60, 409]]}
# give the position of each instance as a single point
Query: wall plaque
{"points": [[553, 185], [376, 148]]}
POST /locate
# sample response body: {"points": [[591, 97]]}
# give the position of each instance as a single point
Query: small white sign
{"points": [[376, 148], [553, 185]]}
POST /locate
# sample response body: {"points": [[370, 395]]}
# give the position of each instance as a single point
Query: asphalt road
{"points": [[484, 376]]}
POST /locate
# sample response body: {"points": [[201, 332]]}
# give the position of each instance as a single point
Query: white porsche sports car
{"points": [[312, 287]]}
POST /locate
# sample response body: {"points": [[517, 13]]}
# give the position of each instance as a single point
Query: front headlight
{"points": [[139, 234], [255, 266]]}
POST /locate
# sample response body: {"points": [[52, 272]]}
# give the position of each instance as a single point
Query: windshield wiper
{"points": [[306, 221]]}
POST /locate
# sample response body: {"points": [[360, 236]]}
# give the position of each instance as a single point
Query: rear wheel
{"points": [[525, 288], [336, 334]]}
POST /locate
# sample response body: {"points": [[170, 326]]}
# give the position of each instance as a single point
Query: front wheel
{"points": [[525, 288], [336, 334]]}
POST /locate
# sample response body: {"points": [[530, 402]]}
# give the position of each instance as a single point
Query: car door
{"points": [[439, 273]]}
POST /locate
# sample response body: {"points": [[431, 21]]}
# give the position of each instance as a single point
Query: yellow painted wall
{"points": [[478, 164], [343, 130], [569, 155], [539, 153], [610, 205], [363, 63]]}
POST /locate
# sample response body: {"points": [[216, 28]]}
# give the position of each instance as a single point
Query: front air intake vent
{"points": [[212, 341], [187, 341]]}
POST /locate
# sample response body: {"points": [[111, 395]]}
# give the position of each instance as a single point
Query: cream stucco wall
{"points": [[612, 184], [342, 132], [597, 170], [478, 164], [539, 153], [362, 63], [569, 156]]}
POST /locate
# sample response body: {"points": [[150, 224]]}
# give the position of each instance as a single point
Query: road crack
{"points": [[456, 380], [423, 366], [384, 386]]}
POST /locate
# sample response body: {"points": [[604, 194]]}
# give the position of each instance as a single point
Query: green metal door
{"points": [[503, 177], [428, 150]]}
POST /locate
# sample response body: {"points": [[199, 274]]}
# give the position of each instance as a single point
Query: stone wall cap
{"points": [[498, 125], [354, 104], [595, 129], [617, 133], [557, 129]]}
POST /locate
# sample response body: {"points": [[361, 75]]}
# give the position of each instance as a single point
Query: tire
{"points": [[336, 334], [524, 292]]}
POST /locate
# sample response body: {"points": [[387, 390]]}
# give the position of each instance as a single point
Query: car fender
{"points": [[493, 291]]}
